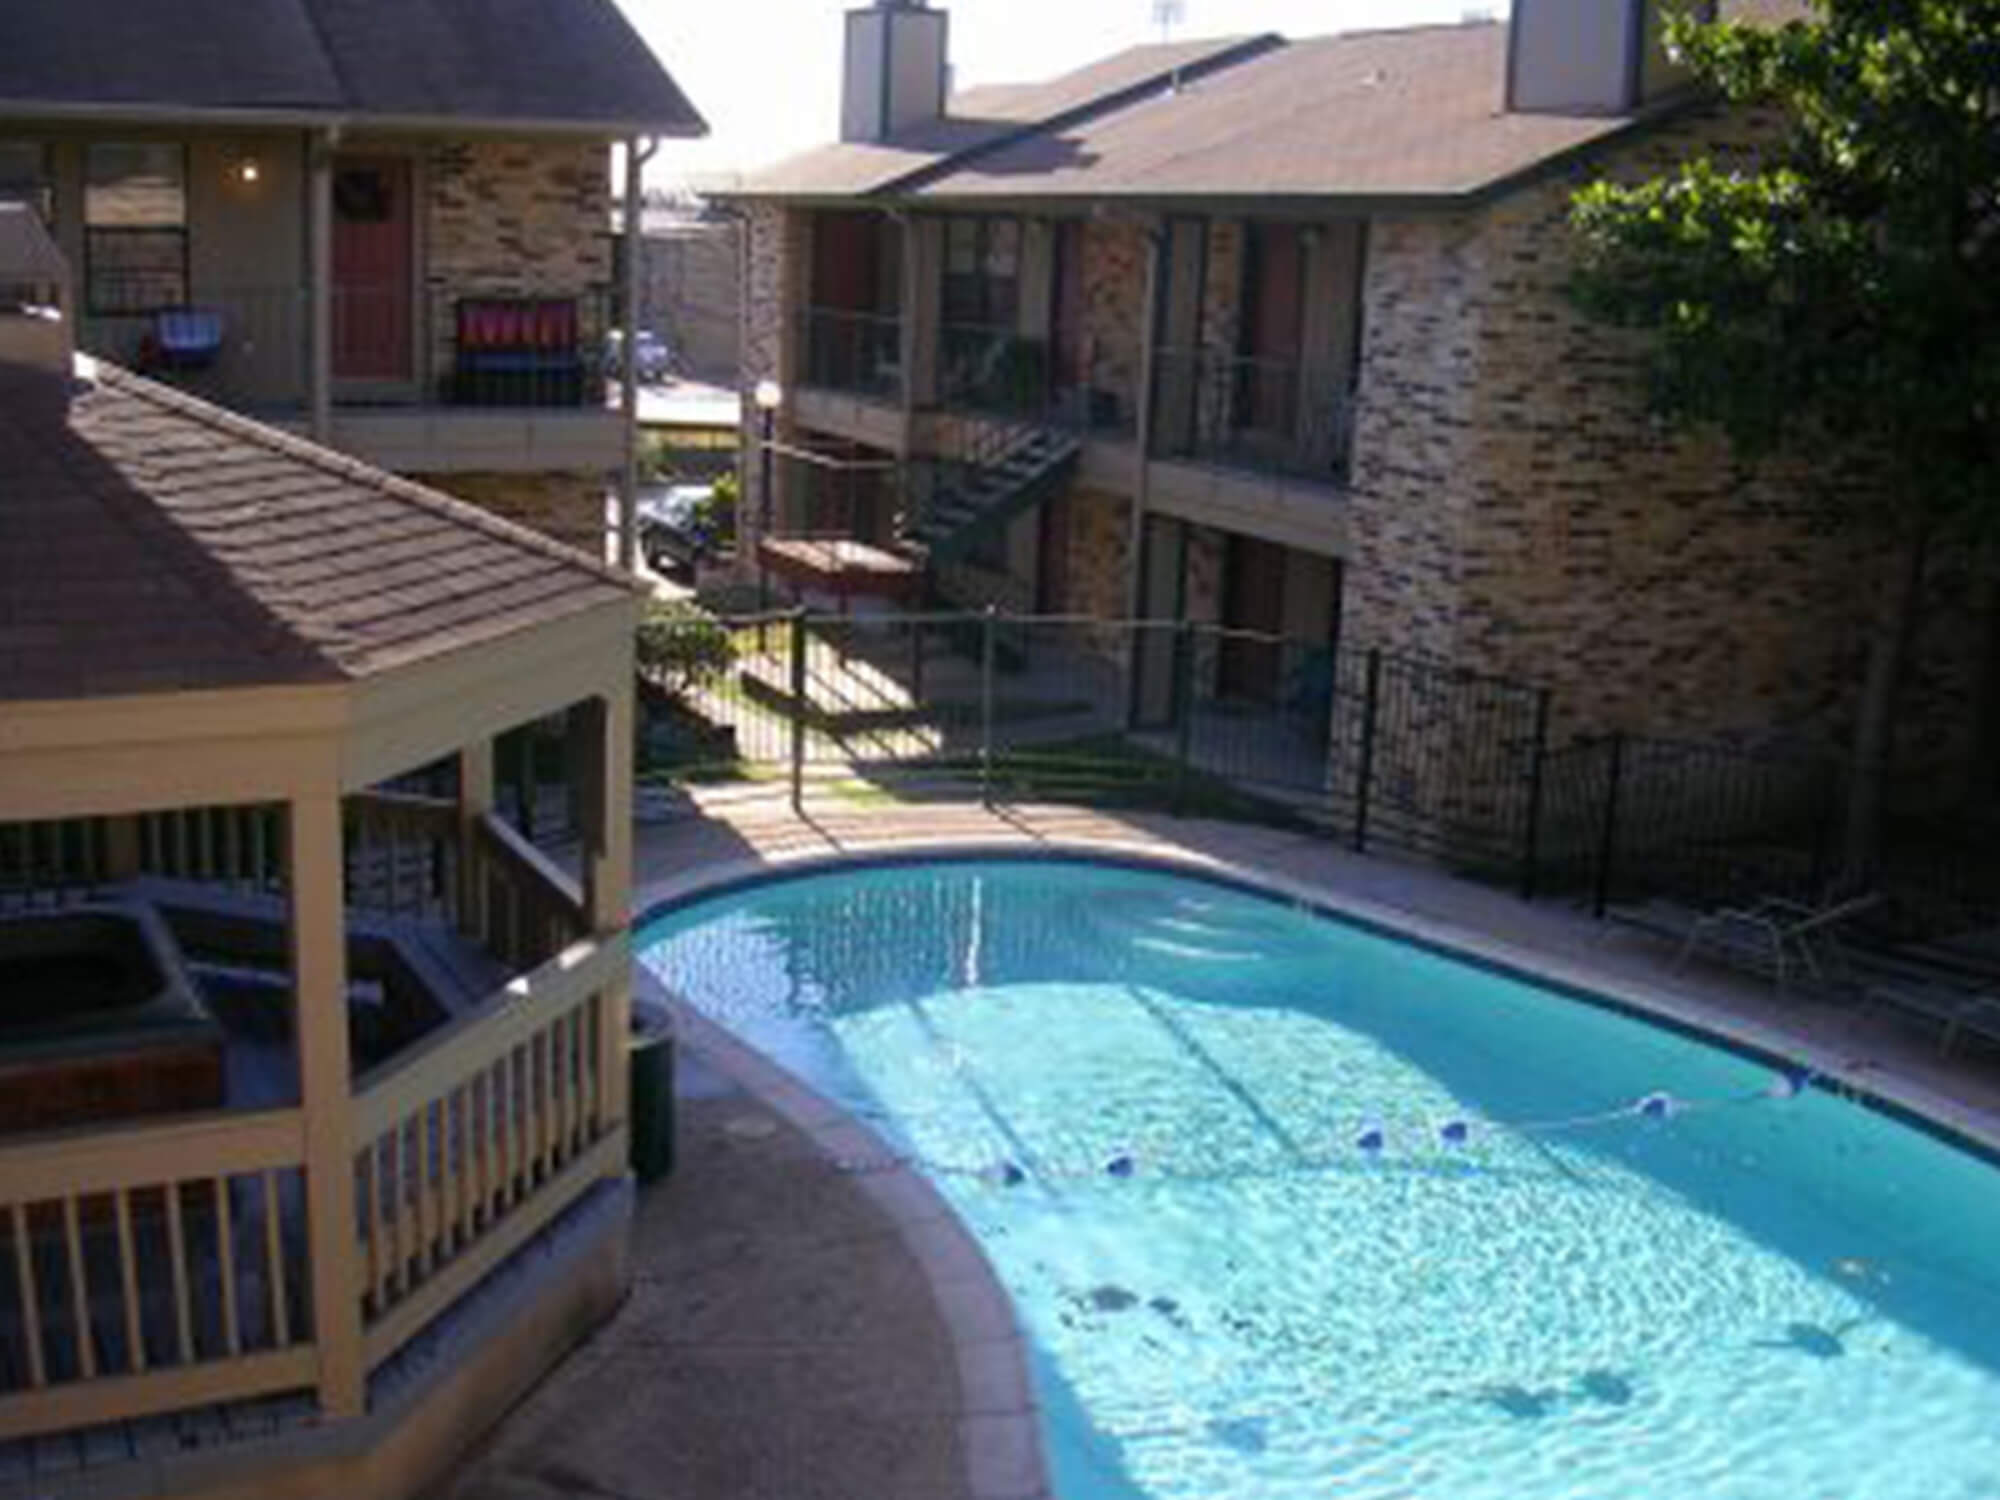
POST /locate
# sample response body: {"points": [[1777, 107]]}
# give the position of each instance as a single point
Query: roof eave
{"points": [[308, 118]]}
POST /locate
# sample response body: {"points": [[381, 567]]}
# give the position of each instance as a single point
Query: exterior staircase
{"points": [[994, 471]]}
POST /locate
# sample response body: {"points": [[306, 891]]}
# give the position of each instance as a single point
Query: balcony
{"points": [[427, 382], [999, 372], [856, 353], [1287, 418]]}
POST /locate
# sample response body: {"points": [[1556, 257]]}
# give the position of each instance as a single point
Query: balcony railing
{"points": [[1273, 416], [250, 347], [1000, 372], [857, 352]]}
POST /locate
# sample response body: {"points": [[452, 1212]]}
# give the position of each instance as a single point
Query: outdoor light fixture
{"points": [[769, 395], [248, 171]]}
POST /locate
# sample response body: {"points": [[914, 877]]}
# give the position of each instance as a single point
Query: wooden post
{"points": [[606, 768], [319, 989]]}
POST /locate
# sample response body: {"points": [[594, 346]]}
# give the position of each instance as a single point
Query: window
{"points": [[25, 177], [135, 228], [982, 272]]}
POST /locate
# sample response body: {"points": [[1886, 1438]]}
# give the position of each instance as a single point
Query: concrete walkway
{"points": [[783, 1343], [780, 1343]]}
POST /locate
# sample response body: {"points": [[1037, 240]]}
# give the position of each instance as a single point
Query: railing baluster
{"points": [[225, 1255], [421, 1175], [128, 1272], [79, 1289], [274, 1254], [378, 1246], [177, 1255], [30, 1295]]}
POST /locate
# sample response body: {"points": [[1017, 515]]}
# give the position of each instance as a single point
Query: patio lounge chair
{"points": [[1952, 1010], [1786, 935]]}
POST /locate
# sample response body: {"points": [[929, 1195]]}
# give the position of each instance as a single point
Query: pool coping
{"points": [[1000, 1429], [991, 1350]]}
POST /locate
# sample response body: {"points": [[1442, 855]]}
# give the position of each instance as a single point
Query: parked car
{"points": [[654, 358], [671, 533]]}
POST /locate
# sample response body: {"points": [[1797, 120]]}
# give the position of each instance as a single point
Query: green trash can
{"points": [[651, 1099]]}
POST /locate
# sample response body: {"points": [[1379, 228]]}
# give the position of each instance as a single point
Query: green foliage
{"points": [[1844, 296], [681, 648], [715, 517]]}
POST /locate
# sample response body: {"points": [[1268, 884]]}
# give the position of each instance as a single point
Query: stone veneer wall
{"points": [[1100, 563], [1221, 324], [1114, 296], [1515, 510], [566, 506], [516, 218]]}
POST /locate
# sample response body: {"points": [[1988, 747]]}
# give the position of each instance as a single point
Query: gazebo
{"points": [[312, 1099]]}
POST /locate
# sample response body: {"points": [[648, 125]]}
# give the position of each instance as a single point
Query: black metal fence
{"points": [[1380, 750], [1377, 750]]}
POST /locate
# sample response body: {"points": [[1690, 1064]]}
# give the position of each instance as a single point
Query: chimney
{"points": [[35, 302], [1590, 57], [896, 70]]}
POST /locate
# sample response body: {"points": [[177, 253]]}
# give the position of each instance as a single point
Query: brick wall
{"points": [[566, 506], [516, 218], [1114, 292], [776, 258], [1516, 510]]}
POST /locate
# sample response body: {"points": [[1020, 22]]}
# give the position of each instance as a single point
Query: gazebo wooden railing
{"points": [[159, 1266]]}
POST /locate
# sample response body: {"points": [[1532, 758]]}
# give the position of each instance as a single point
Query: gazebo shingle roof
{"points": [[150, 542]]}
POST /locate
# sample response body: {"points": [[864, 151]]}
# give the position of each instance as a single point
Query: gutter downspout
{"points": [[636, 157], [320, 146]]}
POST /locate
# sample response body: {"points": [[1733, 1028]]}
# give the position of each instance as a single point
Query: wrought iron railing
{"points": [[1280, 416], [857, 352], [251, 347]]}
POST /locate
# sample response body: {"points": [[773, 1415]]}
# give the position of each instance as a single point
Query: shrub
{"points": [[681, 648]]}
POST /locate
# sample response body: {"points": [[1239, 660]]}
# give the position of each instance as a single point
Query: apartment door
{"points": [[374, 269], [1253, 603]]}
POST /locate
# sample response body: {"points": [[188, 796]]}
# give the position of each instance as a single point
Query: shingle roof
{"points": [[982, 116], [571, 63], [150, 543], [1416, 113], [1412, 113]]}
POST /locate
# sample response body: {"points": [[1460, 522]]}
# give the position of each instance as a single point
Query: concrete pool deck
{"points": [[798, 1329]]}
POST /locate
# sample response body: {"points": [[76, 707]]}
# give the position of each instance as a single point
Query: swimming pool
{"points": [[1292, 1208]]}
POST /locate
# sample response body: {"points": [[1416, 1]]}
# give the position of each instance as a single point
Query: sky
{"points": [[765, 74]]}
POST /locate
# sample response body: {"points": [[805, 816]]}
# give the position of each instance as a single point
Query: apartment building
{"points": [[381, 223]]}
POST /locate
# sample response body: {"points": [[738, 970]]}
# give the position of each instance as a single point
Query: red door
{"points": [[372, 268]]}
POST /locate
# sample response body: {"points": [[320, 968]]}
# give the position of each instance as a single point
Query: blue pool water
{"points": [[1751, 1296]]}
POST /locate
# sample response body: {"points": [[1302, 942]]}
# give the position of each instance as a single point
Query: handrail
{"points": [[538, 865], [515, 1010], [103, 1159]]}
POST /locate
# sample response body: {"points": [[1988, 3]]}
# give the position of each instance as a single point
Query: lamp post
{"points": [[768, 396]]}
